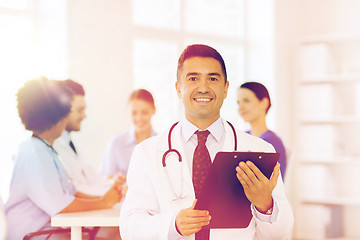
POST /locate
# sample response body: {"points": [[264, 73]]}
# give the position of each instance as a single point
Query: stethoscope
{"points": [[173, 150]]}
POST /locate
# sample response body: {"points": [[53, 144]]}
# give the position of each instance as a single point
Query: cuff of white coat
{"points": [[264, 217], [173, 233]]}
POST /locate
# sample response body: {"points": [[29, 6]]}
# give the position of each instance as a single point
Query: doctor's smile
{"points": [[203, 100]]}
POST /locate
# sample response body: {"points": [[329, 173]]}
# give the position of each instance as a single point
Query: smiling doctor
{"points": [[166, 171]]}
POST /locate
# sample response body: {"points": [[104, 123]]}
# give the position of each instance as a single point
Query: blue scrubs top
{"points": [[275, 140], [118, 153], [40, 188]]}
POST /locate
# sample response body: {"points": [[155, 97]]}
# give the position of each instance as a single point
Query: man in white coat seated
{"points": [[160, 202], [83, 176]]}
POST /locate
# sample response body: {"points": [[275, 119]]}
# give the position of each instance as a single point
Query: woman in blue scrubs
{"points": [[254, 103]]}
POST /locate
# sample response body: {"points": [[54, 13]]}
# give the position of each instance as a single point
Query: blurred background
{"points": [[306, 52]]}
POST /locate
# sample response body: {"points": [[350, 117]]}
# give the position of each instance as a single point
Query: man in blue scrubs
{"points": [[40, 187]]}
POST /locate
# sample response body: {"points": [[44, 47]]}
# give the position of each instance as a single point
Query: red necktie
{"points": [[201, 167]]}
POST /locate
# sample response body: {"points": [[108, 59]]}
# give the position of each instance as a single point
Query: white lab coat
{"points": [[149, 211], [82, 175]]}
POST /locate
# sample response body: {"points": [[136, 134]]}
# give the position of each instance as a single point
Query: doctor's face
{"points": [[250, 107], [201, 87], [77, 113], [141, 113]]}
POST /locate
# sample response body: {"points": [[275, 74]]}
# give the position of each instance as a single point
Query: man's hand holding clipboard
{"points": [[236, 180], [258, 188]]}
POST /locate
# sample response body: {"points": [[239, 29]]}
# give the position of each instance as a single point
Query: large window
{"points": [[32, 42], [160, 34]]}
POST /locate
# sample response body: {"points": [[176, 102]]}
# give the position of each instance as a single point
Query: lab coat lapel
{"points": [[229, 138]]}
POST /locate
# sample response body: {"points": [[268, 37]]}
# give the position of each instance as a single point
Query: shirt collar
{"points": [[216, 129], [132, 137], [66, 136]]}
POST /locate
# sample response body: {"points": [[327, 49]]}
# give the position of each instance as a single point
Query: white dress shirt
{"points": [[118, 153], [85, 179]]}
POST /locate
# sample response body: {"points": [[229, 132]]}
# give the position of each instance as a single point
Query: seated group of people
{"points": [[49, 176]]}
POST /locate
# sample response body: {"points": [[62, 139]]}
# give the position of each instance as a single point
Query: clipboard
{"points": [[223, 195]]}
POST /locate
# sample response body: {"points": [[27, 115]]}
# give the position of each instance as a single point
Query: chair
{"points": [[90, 232], [4, 228], [3, 221]]}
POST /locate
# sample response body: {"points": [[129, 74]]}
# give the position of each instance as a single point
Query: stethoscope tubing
{"points": [[170, 150], [177, 152]]}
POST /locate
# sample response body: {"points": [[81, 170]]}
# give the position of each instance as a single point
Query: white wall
{"points": [[286, 33], [99, 58], [287, 29]]}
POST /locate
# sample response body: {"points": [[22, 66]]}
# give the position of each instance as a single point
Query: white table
{"points": [[95, 218]]}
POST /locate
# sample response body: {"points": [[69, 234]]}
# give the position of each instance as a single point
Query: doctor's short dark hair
{"points": [[260, 91], [200, 50], [42, 103], [76, 87]]}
